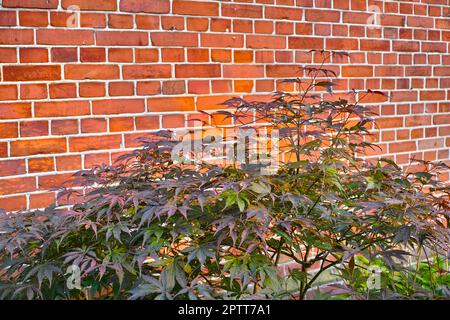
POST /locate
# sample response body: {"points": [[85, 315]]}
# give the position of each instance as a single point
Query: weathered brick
{"points": [[91, 71], [118, 106], [37, 4], [171, 104], [17, 185], [15, 110], [147, 71], [154, 6], [197, 8], [122, 38], [61, 109], [65, 37], [103, 5], [197, 71], [86, 143], [174, 39], [38, 146], [31, 73]]}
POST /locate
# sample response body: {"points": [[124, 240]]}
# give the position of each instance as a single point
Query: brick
{"points": [[441, 119], [41, 200], [221, 41], [103, 5], [243, 71], [198, 8], [414, 121], [283, 71], [322, 15], [62, 90], [198, 55], [91, 160], [8, 18], [93, 125], [33, 91], [212, 102], [172, 23], [12, 167], [357, 71], [31, 73], [421, 22], [17, 37], [38, 146], [17, 185], [403, 146], [375, 45], [64, 127], [283, 13], [147, 22], [175, 39], [385, 71], [305, 43], [266, 42], [8, 92], [54, 180], [8, 55], [197, 24], [33, 55], [118, 106], [92, 55], [197, 71], [61, 109], [432, 95], [37, 4], [146, 55], [147, 123], [92, 89], [406, 46], [173, 121], [86, 143], [154, 6], [242, 10], [147, 71], [92, 20], [3, 149], [171, 104], [243, 56], [14, 203], [121, 89], [403, 96], [64, 54], [33, 18], [68, 163], [33, 128], [173, 87], [38, 165], [120, 55], [148, 88], [341, 44], [15, 110], [8, 130], [122, 38], [65, 37], [222, 86], [121, 124], [91, 71]]}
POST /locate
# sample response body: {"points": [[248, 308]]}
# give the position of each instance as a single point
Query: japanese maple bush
{"points": [[153, 228]]}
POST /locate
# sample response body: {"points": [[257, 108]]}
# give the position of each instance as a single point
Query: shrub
{"points": [[152, 228]]}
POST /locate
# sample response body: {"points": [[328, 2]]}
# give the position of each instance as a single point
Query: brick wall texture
{"points": [[82, 80]]}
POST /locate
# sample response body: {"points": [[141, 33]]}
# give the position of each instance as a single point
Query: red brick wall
{"points": [[74, 97]]}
